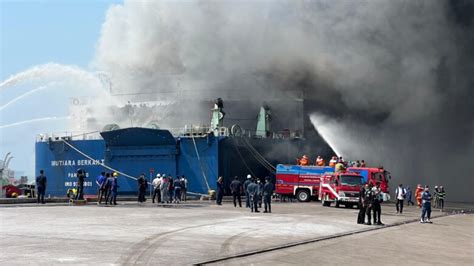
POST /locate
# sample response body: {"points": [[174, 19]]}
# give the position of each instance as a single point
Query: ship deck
{"points": [[201, 232]]}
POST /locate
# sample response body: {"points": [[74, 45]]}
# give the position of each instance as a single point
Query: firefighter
{"points": [[378, 198], [114, 188], [303, 161], [333, 161], [368, 203], [320, 161], [441, 196], [362, 163], [418, 191], [362, 207], [339, 167], [435, 196]]}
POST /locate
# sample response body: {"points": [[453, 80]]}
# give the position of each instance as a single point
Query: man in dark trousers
{"points": [[253, 190], [247, 197], [362, 209], [81, 176], [100, 181], [377, 208], [141, 188], [400, 193], [268, 189], [41, 187], [109, 180], [236, 190], [368, 203]]}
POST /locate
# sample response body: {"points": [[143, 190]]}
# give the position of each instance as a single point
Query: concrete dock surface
{"points": [[202, 232]]}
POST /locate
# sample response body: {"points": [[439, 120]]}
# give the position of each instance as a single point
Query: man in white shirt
{"points": [[156, 188], [400, 193]]}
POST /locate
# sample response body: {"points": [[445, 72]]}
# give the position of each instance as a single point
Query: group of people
{"points": [[370, 199], [254, 190], [334, 162], [108, 186], [169, 190]]}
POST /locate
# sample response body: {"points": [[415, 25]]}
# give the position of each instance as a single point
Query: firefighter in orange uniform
{"points": [[418, 192], [303, 161], [320, 161], [333, 161]]}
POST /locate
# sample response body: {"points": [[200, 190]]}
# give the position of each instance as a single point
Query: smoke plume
{"points": [[388, 81]]}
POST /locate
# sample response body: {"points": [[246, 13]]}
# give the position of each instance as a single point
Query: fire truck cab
{"points": [[340, 188], [373, 175]]}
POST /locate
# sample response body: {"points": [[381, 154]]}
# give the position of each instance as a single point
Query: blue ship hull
{"points": [[133, 151]]}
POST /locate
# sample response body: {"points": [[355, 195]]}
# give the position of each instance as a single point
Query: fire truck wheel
{"points": [[302, 195], [337, 204]]}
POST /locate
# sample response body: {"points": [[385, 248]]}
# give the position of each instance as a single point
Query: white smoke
{"points": [[397, 63]]}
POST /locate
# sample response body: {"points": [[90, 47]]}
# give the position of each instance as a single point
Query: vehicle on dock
{"points": [[304, 182], [340, 188]]}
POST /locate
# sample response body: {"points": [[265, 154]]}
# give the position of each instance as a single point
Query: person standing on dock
{"points": [[141, 188], [409, 197], [377, 209], [426, 206], [400, 193], [164, 189], [253, 191], [220, 190], [177, 189], [41, 181], [247, 196], [109, 180], [114, 188], [156, 189], [418, 192], [268, 189], [100, 187], [236, 190], [81, 176], [184, 188], [362, 207], [441, 196]]}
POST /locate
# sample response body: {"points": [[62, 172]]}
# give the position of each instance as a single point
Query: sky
{"points": [[35, 33]]}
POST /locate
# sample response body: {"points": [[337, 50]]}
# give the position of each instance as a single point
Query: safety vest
{"points": [[320, 162], [332, 162]]}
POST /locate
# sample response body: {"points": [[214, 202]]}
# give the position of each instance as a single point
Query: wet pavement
{"points": [[200, 232]]}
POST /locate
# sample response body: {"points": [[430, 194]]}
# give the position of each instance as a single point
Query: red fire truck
{"points": [[340, 188], [303, 182]]}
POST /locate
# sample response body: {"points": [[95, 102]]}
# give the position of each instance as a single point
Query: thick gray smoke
{"points": [[389, 81]]}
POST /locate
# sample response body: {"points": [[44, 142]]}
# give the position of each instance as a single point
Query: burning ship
{"points": [[228, 146]]}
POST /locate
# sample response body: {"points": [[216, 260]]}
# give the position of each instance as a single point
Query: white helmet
{"points": [[249, 176], [158, 175]]}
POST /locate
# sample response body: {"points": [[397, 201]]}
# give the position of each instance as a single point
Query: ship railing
{"points": [[198, 131], [68, 135]]}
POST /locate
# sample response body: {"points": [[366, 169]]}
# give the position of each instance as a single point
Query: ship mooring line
{"points": [[101, 164], [200, 163], [310, 241]]}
